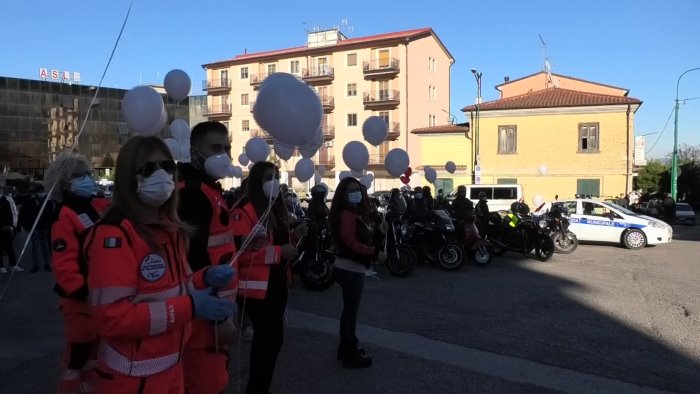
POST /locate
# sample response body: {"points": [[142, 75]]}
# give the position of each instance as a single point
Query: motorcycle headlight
{"points": [[542, 223], [324, 232], [404, 229]]}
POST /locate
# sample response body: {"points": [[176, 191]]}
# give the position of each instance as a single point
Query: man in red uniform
{"points": [[203, 206]]}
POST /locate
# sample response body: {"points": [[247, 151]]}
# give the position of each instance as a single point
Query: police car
{"points": [[599, 221]]}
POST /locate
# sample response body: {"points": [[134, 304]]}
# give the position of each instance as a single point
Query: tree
{"points": [[649, 178], [686, 154]]}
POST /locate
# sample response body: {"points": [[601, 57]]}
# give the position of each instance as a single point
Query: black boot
{"points": [[348, 348], [356, 359]]}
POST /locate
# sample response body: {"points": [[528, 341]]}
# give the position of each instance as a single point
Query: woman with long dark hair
{"points": [[263, 274], [353, 232], [142, 291]]}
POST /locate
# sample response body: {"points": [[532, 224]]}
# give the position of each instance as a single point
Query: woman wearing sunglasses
{"points": [[262, 286], [141, 287], [70, 175]]}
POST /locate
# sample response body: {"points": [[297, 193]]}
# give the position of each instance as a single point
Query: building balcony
{"points": [[381, 98], [328, 132], [318, 75], [216, 85], [327, 160], [260, 133], [376, 160], [381, 68], [252, 106], [328, 103], [257, 79], [218, 111], [394, 131]]}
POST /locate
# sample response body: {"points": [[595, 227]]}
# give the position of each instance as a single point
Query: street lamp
{"points": [[674, 159], [475, 147], [452, 118]]}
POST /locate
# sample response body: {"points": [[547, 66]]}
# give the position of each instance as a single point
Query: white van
{"points": [[500, 197]]}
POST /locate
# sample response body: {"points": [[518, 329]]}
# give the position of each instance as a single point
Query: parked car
{"points": [[599, 221], [500, 196], [685, 214]]}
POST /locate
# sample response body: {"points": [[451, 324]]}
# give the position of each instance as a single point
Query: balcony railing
{"points": [[381, 97], [376, 159], [218, 110], [394, 131], [381, 67], [318, 74], [328, 102], [327, 160], [328, 132], [216, 84], [256, 79], [260, 133]]}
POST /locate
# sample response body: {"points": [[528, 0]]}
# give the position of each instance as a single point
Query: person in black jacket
{"points": [[462, 207], [482, 213], [318, 210], [40, 240], [7, 234]]}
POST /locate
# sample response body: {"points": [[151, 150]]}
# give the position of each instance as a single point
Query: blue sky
{"points": [[642, 45]]}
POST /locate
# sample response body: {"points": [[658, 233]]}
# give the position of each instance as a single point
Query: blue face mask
{"points": [[83, 186], [354, 198]]}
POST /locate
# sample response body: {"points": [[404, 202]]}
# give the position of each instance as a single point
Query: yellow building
{"points": [[439, 145], [403, 77], [553, 134]]}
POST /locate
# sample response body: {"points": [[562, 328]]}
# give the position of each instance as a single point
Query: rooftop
{"points": [[553, 98], [461, 128]]}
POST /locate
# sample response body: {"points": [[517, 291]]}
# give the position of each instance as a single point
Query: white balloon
{"points": [[310, 149], [355, 155], [542, 169], [179, 129], [537, 200], [317, 177], [344, 174], [175, 148], [321, 169], [243, 159], [177, 84], [375, 129], [231, 172], [396, 162], [144, 111], [185, 150], [283, 151], [451, 167], [370, 176], [304, 169], [430, 174], [257, 149], [238, 172], [366, 181], [288, 109]]}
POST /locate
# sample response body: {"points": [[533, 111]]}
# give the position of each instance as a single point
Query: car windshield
{"points": [[621, 209], [684, 207]]}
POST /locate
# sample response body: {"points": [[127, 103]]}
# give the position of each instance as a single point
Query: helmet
{"points": [[482, 194], [319, 191]]}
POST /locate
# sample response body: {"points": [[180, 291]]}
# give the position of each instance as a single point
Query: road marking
{"points": [[509, 368]]}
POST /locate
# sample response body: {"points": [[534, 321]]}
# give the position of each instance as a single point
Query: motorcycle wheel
{"points": [[498, 250], [545, 248], [450, 256], [404, 264], [565, 244], [318, 275], [483, 255]]}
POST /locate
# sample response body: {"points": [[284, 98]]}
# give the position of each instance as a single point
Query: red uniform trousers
{"points": [[81, 348], [170, 381]]}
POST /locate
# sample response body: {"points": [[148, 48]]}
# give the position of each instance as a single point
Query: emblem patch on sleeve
{"points": [[152, 267], [112, 243], [59, 245]]}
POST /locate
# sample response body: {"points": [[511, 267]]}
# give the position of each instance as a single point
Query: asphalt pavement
{"points": [[603, 319]]}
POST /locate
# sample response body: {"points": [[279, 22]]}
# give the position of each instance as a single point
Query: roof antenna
{"points": [[546, 66]]}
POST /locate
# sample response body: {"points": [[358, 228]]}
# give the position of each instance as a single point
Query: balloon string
{"points": [[71, 150]]}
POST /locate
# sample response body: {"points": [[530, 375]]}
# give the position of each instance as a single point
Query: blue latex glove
{"points": [[219, 276], [209, 307]]}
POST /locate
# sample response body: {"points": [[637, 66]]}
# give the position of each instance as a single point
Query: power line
{"points": [[662, 131], [689, 99]]}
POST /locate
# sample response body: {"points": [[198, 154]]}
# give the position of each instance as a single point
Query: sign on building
{"points": [[56, 75], [639, 151]]}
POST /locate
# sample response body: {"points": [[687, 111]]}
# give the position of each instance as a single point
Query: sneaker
{"points": [[3, 270], [35, 269], [16, 268]]}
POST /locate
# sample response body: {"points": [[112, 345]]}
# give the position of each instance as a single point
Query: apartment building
{"points": [[404, 77]]}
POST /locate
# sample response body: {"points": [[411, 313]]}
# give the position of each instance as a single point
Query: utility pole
{"points": [[674, 157]]}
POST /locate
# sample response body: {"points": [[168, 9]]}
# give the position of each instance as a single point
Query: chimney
{"points": [[245, 51], [506, 78]]}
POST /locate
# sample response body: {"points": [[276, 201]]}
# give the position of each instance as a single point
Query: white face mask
{"points": [[217, 166], [271, 188], [155, 190]]}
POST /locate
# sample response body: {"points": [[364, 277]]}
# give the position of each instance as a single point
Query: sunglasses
{"points": [[149, 167]]}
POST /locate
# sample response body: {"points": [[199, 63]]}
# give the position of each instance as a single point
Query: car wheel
{"points": [[634, 239]]}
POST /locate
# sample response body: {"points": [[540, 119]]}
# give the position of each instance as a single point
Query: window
{"points": [[588, 187], [434, 93], [433, 64], [588, 137], [507, 139], [294, 67], [384, 60], [352, 89], [245, 125], [430, 92], [571, 206], [244, 72], [506, 181], [474, 192], [271, 68], [430, 63], [505, 193], [224, 102], [224, 77], [593, 209], [384, 115], [352, 59], [352, 120], [244, 99]]}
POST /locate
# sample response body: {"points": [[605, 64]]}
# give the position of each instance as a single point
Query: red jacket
{"points": [[75, 216], [139, 297], [253, 266]]}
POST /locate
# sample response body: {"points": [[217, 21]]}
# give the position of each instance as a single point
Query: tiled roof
{"points": [[347, 42], [552, 98], [560, 76], [444, 129]]}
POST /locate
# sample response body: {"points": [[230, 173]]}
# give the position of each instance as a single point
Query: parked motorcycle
{"points": [[314, 265], [557, 226], [434, 239], [401, 258], [519, 234], [479, 249]]}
